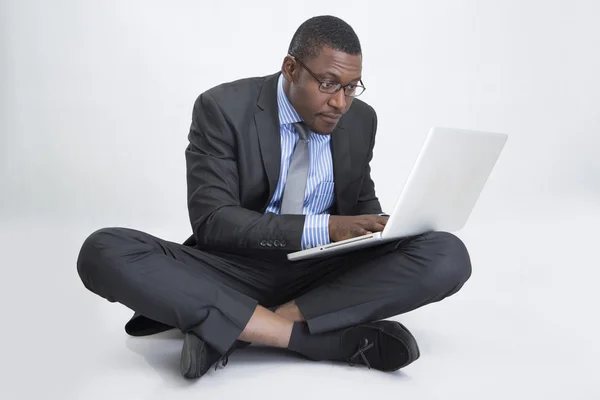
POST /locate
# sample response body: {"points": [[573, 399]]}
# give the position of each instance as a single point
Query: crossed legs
{"points": [[217, 296]]}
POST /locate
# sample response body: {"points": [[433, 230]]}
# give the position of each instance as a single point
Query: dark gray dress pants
{"points": [[214, 294]]}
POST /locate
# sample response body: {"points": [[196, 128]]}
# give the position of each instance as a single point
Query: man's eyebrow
{"points": [[336, 76]]}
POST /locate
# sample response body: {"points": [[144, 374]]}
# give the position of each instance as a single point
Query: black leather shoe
{"points": [[197, 356], [383, 345]]}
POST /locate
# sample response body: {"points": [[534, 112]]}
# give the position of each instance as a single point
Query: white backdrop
{"points": [[97, 96], [96, 101]]}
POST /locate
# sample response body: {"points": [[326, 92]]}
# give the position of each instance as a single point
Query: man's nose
{"points": [[338, 100]]}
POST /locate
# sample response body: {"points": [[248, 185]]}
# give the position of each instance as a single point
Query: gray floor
{"points": [[525, 326]]}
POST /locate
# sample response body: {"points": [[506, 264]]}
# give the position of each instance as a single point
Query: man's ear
{"points": [[289, 68]]}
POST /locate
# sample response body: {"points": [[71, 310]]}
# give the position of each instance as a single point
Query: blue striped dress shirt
{"points": [[319, 195]]}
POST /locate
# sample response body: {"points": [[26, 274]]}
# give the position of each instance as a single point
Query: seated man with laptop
{"points": [[277, 171]]}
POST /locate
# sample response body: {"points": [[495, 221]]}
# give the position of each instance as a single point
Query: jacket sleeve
{"points": [[217, 218], [367, 202]]}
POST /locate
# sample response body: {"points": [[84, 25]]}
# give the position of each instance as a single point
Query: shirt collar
{"points": [[287, 113]]}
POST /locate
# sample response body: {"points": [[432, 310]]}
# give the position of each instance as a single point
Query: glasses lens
{"points": [[330, 87], [354, 91]]}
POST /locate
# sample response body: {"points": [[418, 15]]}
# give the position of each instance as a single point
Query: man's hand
{"points": [[342, 227]]}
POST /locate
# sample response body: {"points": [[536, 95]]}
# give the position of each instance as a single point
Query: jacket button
{"points": [[269, 243], [263, 243], [276, 243], [283, 243]]}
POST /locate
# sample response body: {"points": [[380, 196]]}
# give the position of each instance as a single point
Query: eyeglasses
{"points": [[350, 90]]}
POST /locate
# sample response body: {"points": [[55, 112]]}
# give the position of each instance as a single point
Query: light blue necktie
{"points": [[295, 186]]}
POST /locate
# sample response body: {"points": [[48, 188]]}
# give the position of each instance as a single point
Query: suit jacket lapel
{"points": [[267, 127], [340, 152]]}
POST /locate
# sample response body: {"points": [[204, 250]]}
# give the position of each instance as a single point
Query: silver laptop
{"points": [[440, 192]]}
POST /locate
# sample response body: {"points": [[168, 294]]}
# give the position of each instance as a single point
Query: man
{"points": [[276, 164]]}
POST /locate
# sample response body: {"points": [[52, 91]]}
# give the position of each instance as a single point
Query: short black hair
{"points": [[324, 30]]}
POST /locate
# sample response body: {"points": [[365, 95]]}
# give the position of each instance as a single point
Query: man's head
{"points": [[324, 54]]}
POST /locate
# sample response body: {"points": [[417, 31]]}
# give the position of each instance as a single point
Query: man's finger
{"points": [[382, 220], [374, 226], [360, 232]]}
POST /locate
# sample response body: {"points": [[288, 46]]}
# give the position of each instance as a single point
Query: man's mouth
{"points": [[330, 118]]}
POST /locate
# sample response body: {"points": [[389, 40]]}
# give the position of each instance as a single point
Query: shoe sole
{"points": [[192, 346]]}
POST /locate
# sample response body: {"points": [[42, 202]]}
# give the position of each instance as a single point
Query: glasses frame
{"points": [[338, 85]]}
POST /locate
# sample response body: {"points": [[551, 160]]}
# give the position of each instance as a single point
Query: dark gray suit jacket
{"points": [[233, 161]]}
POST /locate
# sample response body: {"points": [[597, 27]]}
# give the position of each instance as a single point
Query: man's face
{"points": [[321, 111]]}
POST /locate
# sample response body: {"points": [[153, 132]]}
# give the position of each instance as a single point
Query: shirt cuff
{"points": [[316, 231]]}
